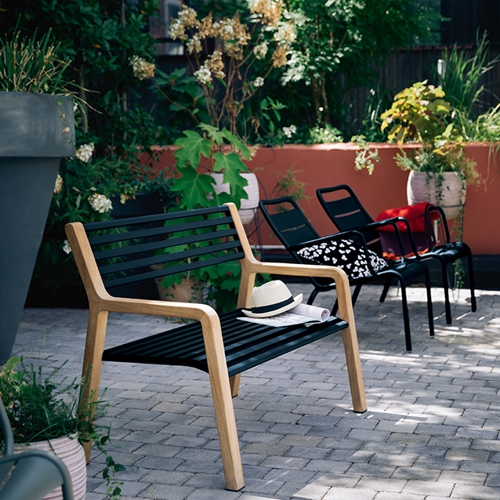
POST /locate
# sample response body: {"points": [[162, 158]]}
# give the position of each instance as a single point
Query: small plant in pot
{"points": [[44, 414], [440, 169]]}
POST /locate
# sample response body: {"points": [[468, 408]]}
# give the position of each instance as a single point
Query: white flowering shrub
{"points": [[141, 68], [84, 153], [223, 54], [100, 203]]}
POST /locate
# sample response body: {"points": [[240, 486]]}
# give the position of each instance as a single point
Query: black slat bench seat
{"points": [[118, 253], [245, 344]]}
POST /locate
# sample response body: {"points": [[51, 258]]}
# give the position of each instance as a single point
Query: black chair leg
{"points": [[472, 283], [385, 291], [355, 295], [446, 286], [430, 312], [313, 295], [406, 314]]}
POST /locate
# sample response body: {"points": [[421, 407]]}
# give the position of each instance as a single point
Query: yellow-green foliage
{"points": [[419, 113]]}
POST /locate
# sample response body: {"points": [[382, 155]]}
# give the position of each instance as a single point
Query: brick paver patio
{"points": [[430, 433]]}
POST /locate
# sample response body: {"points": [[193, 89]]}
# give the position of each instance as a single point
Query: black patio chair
{"points": [[347, 213], [297, 234]]}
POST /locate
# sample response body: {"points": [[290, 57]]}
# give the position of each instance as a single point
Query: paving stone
{"points": [[211, 494], [475, 492], [442, 488], [167, 492], [461, 476], [349, 494], [297, 491], [381, 484]]}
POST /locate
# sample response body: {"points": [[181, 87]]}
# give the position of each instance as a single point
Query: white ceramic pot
{"points": [[448, 193], [247, 210], [71, 452]]}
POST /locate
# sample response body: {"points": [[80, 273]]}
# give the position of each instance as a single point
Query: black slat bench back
{"points": [[143, 248]]}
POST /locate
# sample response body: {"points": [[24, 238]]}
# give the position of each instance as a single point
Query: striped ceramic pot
{"points": [[71, 452], [446, 190]]}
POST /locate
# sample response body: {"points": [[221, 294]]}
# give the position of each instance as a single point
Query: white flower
{"points": [[260, 50], [58, 185], [258, 82], [203, 75], [84, 153], [285, 34], [141, 68], [289, 131], [194, 45], [66, 247], [100, 203]]}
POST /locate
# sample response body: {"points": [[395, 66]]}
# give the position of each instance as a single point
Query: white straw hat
{"points": [[271, 299]]}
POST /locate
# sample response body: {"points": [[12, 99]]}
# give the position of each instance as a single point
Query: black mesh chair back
{"points": [[345, 210], [288, 221]]}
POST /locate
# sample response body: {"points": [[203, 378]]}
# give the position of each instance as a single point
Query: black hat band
{"points": [[272, 307]]}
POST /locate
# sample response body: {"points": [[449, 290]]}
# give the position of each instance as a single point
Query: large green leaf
{"points": [[192, 147], [231, 165], [194, 188], [240, 146]]}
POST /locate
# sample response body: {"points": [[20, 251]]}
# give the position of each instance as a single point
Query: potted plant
{"points": [[439, 169], [197, 158], [44, 414], [36, 131]]}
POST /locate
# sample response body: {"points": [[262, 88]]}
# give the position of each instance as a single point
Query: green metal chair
{"points": [[32, 474]]}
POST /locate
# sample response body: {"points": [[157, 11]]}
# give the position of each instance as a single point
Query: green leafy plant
{"points": [[335, 49], [30, 65], [288, 185], [461, 76], [418, 113], [40, 408], [421, 113], [223, 152], [197, 157], [365, 155], [231, 57], [448, 158]]}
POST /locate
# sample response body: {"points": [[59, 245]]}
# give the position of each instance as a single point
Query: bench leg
{"points": [[228, 437], [234, 383], [351, 348], [354, 370], [223, 403], [92, 362]]}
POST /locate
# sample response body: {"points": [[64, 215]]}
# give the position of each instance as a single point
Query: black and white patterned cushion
{"points": [[343, 253]]}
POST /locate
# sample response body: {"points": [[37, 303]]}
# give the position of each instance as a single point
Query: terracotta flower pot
{"points": [[190, 290], [71, 452]]}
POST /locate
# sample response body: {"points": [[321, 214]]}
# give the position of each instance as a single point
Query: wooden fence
{"points": [[402, 68], [405, 67]]}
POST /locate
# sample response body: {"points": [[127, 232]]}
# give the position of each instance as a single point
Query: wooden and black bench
{"points": [[115, 253]]}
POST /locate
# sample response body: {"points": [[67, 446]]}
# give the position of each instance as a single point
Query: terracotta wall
{"points": [[331, 164]]}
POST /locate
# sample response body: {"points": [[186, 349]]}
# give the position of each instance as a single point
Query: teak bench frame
{"points": [[218, 347]]}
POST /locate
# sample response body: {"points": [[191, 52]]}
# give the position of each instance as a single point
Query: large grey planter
{"points": [[36, 131]]}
